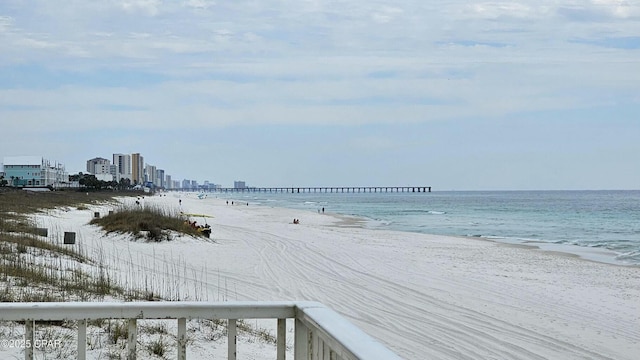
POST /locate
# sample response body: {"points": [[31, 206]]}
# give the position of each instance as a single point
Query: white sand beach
{"points": [[425, 297]]}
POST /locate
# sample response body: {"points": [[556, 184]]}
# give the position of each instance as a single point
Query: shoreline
{"points": [[596, 254]]}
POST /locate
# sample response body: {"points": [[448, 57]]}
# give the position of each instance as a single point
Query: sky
{"points": [[452, 94]]}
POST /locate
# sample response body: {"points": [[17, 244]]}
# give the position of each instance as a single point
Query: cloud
{"points": [[495, 10], [147, 7], [623, 9], [599, 10], [372, 143], [200, 4], [386, 14], [472, 43], [625, 42], [204, 57], [5, 23]]}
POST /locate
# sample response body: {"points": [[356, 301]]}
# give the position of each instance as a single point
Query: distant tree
{"points": [[124, 184], [91, 181]]}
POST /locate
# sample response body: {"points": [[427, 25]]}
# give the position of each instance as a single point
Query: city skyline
{"points": [[474, 95], [147, 171], [100, 167]]}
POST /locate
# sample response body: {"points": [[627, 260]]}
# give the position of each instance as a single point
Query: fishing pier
{"points": [[339, 189]]}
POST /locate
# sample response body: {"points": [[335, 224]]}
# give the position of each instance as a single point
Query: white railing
{"points": [[320, 333]]}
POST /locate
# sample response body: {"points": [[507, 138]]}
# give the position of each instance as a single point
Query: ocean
{"points": [[604, 225]]}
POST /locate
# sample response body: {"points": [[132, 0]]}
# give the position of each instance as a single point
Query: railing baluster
{"points": [[82, 339], [182, 339], [333, 355], [326, 352], [132, 340], [232, 339], [29, 329], [282, 339], [319, 349], [302, 342], [314, 345]]}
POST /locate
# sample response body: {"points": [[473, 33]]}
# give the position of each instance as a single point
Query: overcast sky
{"points": [[453, 94]]}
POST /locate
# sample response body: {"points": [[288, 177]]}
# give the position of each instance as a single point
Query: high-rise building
{"points": [[113, 170], [150, 174], [137, 168], [98, 166], [159, 178], [123, 163]]}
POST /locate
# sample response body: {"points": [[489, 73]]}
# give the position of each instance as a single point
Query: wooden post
{"points": [[182, 339], [232, 339], [281, 346], [29, 331], [82, 339], [132, 340]]}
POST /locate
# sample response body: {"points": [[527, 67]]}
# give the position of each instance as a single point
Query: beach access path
{"points": [[424, 296]]}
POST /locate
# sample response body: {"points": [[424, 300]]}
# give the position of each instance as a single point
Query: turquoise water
{"points": [[589, 219]]}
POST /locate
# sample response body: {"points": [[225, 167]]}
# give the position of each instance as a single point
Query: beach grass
{"points": [[16, 204], [153, 222], [27, 202], [37, 269]]}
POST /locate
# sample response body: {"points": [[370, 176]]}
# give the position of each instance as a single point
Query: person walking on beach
{"points": [[323, 210]]}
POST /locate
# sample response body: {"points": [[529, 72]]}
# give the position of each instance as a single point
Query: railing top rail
{"points": [[51, 311]]}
